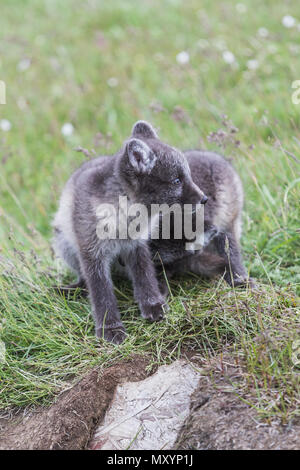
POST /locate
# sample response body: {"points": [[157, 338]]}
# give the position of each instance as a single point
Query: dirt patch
{"points": [[220, 420], [69, 423], [217, 418]]}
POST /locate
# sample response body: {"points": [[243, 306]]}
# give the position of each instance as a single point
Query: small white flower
{"points": [[228, 57], [183, 57], [24, 64], [252, 64], [288, 21], [241, 8], [263, 32], [67, 129], [5, 125], [112, 82]]}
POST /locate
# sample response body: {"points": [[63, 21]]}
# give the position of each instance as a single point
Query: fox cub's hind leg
{"points": [[229, 249], [68, 253]]}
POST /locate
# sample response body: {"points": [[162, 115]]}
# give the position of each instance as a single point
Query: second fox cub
{"points": [[147, 171]]}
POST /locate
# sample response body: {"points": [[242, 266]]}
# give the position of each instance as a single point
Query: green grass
{"points": [[74, 48]]}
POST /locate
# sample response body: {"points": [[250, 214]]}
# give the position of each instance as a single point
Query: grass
{"points": [[58, 59]]}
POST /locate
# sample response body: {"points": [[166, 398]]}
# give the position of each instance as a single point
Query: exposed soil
{"points": [[69, 423], [220, 420]]}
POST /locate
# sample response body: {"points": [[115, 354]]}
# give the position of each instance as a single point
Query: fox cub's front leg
{"points": [[146, 290], [97, 274], [141, 270]]}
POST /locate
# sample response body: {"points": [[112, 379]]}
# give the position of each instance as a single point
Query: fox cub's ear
{"points": [[141, 158], [144, 129]]}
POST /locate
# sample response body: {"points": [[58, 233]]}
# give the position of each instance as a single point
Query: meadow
{"points": [[214, 75]]}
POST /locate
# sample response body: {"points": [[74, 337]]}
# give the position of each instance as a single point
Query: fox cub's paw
{"points": [[154, 312], [115, 334], [244, 283]]}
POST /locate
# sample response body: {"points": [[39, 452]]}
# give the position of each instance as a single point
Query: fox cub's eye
{"points": [[176, 181]]}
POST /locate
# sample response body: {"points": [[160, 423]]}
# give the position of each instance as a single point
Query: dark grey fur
{"points": [[147, 171], [143, 170], [223, 210]]}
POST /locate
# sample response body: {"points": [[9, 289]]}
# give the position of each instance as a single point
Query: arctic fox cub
{"points": [[147, 172]]}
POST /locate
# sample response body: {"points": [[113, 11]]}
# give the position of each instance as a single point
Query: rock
{"points": [[148, 414]]}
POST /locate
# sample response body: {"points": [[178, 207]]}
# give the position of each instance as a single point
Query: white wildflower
{"points": [[183, 57], [67, 129], [288, 21], [24, 64], [228, 57], [5, 125], [252, 64]]}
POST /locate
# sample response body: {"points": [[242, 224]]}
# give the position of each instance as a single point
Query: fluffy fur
{"points": [[147, 171]]}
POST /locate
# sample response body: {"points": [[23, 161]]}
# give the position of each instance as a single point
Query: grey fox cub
{"points": [[147, 171]]}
